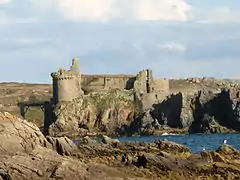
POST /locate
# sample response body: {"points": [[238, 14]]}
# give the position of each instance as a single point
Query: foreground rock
{"points": [[165, 160], [26, 154], [42, 164], [38, 157], [18, 135]]}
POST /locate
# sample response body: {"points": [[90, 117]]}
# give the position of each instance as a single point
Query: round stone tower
{"points": [[66, 86]]}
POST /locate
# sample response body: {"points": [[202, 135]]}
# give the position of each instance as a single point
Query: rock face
{"points": [[216, 112], [201, 112], [17, 135], [108, 112], [114, 113]]}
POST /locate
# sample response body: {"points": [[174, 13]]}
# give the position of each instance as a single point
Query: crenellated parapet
{"points": [[63, 77], [62, 74]]}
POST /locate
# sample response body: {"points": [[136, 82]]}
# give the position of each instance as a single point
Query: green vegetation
{"points": [[105, 99], [35, 115]]}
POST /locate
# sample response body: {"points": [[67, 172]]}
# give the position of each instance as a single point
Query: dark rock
{"points": [[63, 145], [172, 147], [169, 111], [213, 112]]}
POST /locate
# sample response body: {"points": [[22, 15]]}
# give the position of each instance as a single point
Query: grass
{"points": [[12, 93]]}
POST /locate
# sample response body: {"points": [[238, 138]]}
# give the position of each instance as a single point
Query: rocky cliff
{"points": [[114, 113], [202, 112], [106, 112]]}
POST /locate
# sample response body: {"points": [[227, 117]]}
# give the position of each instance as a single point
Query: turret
{"points": [[66, 84], [75, 66]]}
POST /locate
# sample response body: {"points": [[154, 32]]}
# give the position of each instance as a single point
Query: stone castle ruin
{"points": [[70, 84]]}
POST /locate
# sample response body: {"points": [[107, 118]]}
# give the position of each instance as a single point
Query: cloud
{"points": [[220, 14], [4, 1], [105, 10], [172, 47]]}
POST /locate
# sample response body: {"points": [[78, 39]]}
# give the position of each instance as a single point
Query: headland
{"points": [[78, 104], [84, 106]]}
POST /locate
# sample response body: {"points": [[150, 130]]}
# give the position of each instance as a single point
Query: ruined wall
{"points": [[161, 85], [68, 85], [146, 100], [106, 82], [144, 82]]}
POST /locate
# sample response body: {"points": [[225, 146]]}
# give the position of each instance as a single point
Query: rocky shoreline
{"points": [[25, 153]]}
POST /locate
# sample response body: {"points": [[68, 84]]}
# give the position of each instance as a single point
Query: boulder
{"points": [[172, 147], [108, 140], [18, 135], [62, 145]]}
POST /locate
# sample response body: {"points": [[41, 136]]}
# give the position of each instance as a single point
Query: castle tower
{"points": [[67, 84], [75, 66]]}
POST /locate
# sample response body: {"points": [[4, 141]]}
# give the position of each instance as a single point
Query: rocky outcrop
{"points": [[164, 160], [18, 135], [62, 145], [215, 112], [26, 154], [111, 160], [107, 112], [202, 112], [114, 113], [42, 164]]}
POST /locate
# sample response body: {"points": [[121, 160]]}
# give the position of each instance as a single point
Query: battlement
{"points": [[63, 75]]}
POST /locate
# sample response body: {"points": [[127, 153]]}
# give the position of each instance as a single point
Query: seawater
{"points": [[196, 142]]}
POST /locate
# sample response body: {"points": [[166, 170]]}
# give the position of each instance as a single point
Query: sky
{"points": [[175, 38]]}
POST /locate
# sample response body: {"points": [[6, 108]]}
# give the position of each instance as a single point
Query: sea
{"points": [[195, 142]]}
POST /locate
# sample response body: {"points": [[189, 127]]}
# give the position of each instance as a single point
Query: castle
{"points": [[70, 84]]}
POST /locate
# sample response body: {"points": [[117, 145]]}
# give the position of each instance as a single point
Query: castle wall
{"points": [[68, 85], [147, 100], [66, 88], [161, 85], [106, 82]]}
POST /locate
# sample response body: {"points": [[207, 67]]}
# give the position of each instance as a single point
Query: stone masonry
{"points": [[70, 84]]}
